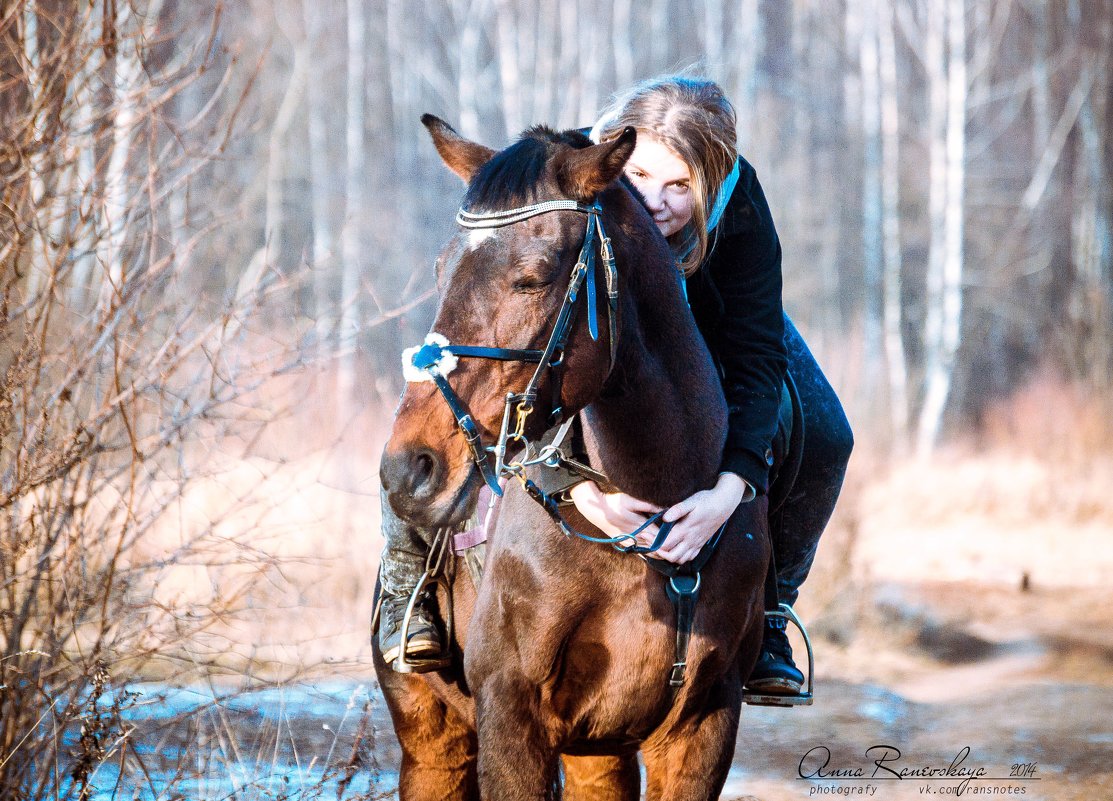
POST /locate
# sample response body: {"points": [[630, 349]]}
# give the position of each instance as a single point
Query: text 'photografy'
{"points": [[864, 790]]}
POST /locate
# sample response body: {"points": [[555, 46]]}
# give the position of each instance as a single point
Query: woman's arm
{"points": [[613, 513], [748, 340]]}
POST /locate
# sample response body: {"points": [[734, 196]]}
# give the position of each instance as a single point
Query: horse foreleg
{"points": [[517, 756], [601, 778], [690, 761], [438, 744]]}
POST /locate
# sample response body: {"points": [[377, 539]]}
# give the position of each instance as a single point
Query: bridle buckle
{"points": [[523, 410]]}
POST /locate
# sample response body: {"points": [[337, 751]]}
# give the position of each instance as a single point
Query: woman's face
{"points": [[664, 181]]}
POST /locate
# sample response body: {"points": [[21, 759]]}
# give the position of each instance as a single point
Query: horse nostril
{"points": [[424, 464]]}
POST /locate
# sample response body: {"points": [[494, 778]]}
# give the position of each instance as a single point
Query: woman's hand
{"points": [[612, 513], [697, 519]]}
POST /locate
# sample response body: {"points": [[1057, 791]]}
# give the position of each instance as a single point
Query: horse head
{"points": [[503, 280]]}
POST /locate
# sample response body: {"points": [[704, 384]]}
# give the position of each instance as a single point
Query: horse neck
{"points": [[657, 428]]}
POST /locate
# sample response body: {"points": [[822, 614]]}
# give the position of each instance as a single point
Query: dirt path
{"points": [[933, 670]]}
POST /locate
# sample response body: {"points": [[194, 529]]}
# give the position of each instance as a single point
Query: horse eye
{"points": [[530, 283], [532, 278]]}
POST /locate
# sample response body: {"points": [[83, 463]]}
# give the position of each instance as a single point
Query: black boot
{"points": [[423, 640], [775, 673]]}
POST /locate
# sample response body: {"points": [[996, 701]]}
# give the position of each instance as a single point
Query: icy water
{"points": [[295, 742]]}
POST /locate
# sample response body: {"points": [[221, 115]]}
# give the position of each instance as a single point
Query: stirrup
{"points": [[799, 699], [435, 574]]}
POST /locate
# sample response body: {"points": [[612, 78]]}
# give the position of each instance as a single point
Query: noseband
{"points": [[436, 358]]}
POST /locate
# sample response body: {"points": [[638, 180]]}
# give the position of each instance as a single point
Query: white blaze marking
{"points": [[477, 236]]}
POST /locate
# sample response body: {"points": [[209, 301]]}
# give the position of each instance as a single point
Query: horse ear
{"points": [[462, 156], [583, 174]]}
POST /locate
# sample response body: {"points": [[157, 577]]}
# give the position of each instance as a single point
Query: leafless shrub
{"points": [[121, 374]]}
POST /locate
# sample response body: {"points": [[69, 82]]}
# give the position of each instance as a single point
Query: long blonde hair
{"points": [[692, 118]]}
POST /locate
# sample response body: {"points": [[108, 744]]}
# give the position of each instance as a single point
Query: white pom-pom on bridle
{"points": [[445, 363]]}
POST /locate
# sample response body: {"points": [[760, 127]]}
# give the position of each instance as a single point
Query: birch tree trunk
{"points": [[1041, 116], [747, 34], [509, 68], [896, 367], [934, 66], [127, 92], [590, 39], [402, 90], [85, 258], [871, 190], [944, 313], [38, 266], [546, 77], [354, 211], [852, 81], [622, 45], [528, 55], [470, 19], [59, 127], [1091, 222], [569, 78], [713, 35], [659, 39], [127, 72], [274, 240], [319, 188]]}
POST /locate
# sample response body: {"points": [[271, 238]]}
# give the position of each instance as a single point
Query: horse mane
{"points": [[513, 176]]}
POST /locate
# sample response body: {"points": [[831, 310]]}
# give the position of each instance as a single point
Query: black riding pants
{"points": [[796, 528]]}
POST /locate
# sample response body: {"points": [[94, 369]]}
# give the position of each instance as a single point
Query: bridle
{"points": [[436, 358]]}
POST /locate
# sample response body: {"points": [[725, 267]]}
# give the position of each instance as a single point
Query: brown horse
{"points": [[567, 645]]}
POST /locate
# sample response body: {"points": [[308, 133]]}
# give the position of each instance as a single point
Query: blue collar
{"points": [[721, 200]]}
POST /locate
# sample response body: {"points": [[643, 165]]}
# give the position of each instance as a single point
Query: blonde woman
{"points": [[707, 201]]}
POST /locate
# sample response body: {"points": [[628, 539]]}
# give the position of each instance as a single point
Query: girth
{"points": [[682, 589]]}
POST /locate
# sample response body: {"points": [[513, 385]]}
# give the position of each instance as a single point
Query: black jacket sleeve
{"points": [[736, 299]]}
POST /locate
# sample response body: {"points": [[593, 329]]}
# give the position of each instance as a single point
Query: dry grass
{"points": [[1030, 496]]}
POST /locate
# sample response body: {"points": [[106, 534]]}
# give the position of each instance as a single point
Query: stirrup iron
{"points": [[804, 698], [436, 573]]}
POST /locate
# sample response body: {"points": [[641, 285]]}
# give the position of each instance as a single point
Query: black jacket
{"points": [[736, 299]]}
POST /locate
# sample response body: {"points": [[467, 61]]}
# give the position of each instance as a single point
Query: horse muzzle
{"points": [[423, 489]]}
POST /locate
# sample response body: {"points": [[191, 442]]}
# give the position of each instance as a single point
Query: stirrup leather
{"points": [[800, 699]]}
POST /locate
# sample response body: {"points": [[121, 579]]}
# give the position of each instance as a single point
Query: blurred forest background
{"points": [[217, 228]]}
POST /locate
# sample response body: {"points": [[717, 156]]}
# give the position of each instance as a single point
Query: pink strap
{"points": [[475, 536], [468, 539]]}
